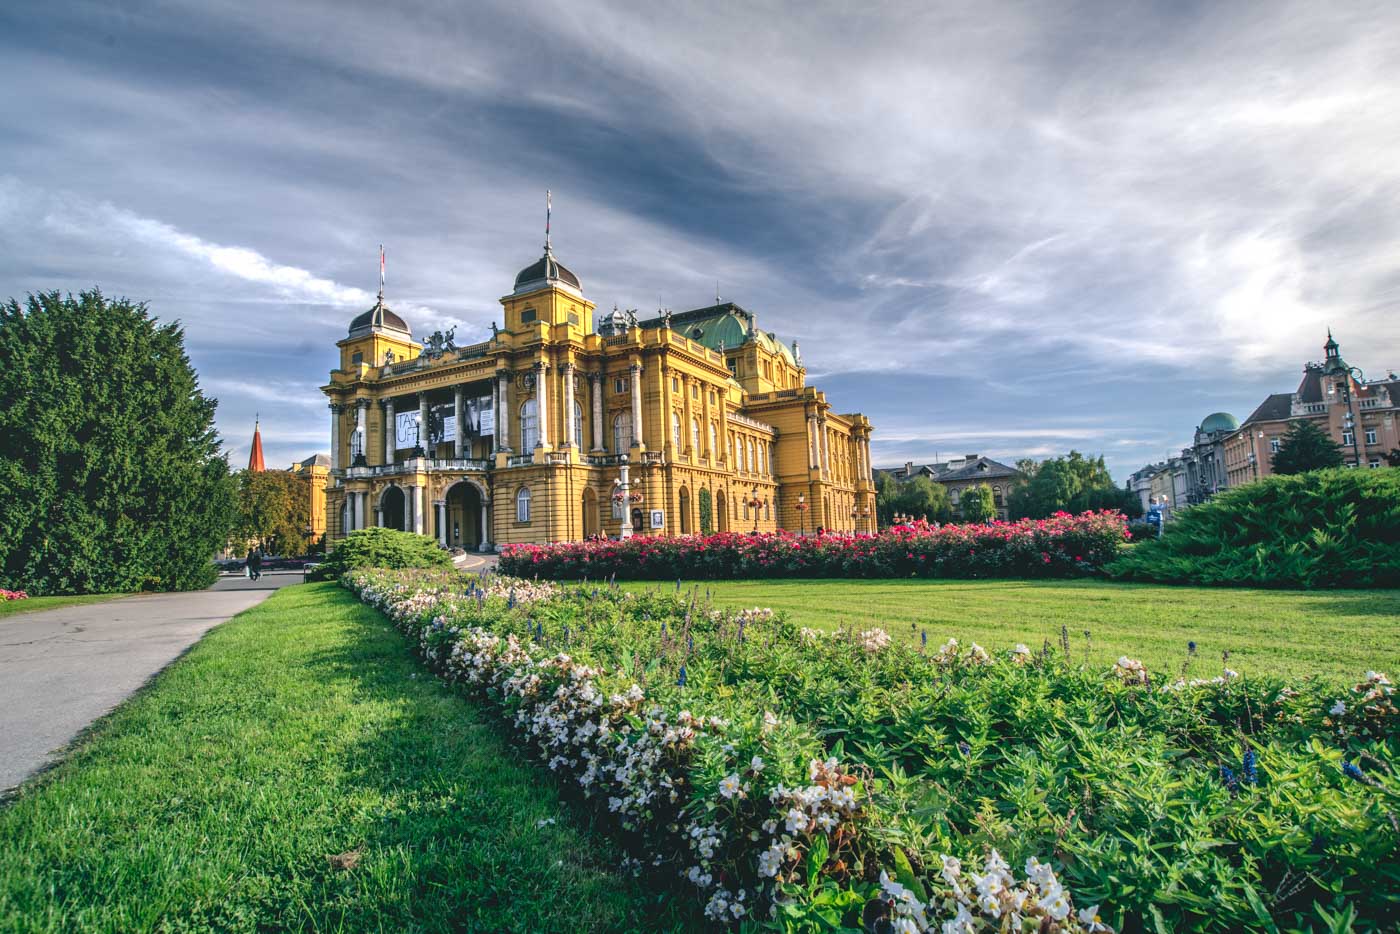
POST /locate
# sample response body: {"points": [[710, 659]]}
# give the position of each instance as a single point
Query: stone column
{"points": [[360, 510], [424, 436], [390, 432], [502, 412], [688, 443], [542, 402], [626, 530], [361, 416], [826, 449], [485, 527], [569, 428], [379, 516], [636, 370], [418, 524], [812, 448], [440, 517], [336, 409], [459, 435], [597, 384]]}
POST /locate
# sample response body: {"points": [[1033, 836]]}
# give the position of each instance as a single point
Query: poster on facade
{"points": [[442, 426], [479, 416]]}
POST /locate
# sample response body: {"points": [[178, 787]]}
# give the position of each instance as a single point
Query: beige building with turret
{"points": [[556, 429]]}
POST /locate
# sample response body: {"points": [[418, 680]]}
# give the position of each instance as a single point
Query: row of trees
{"points": [[112, 476], [1073, 483]]}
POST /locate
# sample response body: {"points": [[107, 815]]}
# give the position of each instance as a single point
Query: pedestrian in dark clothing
{"points": [[255, 564]]}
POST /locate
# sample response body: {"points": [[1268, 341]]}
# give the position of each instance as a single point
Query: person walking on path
{"points": [[255, 564]]}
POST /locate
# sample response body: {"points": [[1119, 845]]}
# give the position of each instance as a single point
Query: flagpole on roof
{"points": [[381, 273], [548, 210]]}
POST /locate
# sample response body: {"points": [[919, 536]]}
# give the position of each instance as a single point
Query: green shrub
{"points": [[382, 548], [1326, 528]]}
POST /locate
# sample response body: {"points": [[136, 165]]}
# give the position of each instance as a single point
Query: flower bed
{"points": [[811, 781], [6, 595], [1062, 546]]}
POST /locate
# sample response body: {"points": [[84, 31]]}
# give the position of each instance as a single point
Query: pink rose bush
{"points": [[6, 595], [1061, 546]]}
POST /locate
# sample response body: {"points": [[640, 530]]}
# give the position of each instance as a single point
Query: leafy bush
{"points": [[1327, 528], [110, 466], [1062, 546], [382, 548], [839, 780]]}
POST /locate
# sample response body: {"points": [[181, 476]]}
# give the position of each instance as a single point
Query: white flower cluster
{"points": [[754, 615], [1375, 697], [950, 653], [1181, 684], [1130, 670], [992, 900], [1021, 653], [810, 635], [873, 640]]}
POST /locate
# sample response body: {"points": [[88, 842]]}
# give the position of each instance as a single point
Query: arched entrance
{"points": [[391, 508], [721, 511], [590, 512], [465, 511], [685, 511]]}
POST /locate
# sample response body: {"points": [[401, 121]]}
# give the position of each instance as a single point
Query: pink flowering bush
{"points": [[1061, 546], [12, 595]]}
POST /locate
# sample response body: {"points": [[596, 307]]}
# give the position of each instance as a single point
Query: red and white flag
{"points": [[381, 269]]}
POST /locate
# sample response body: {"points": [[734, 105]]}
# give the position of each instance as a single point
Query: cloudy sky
{"points": [[1010, 228]]}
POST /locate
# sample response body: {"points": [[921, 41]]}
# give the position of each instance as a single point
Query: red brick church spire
{"points": [[255, 457]]}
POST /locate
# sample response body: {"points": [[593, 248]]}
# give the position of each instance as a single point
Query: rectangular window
{"points": [[573, 318], [357, 358], [1348, 438], [695, 390], [675, 384], [1374, 463], [1370, 436], [619, 386], [528, 315], [1273, 445]]}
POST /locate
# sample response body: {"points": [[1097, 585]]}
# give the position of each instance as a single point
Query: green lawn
{"points": [[303, 730], [1337, 634], [32, 604]]}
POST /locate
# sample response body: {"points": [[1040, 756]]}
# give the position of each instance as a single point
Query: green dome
{"points": [[1220, 421]]}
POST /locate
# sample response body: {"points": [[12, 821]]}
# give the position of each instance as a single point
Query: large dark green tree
{"points": [[919, 497], [110, 473], [1306, 447], [978, 503], [1073, 483]]}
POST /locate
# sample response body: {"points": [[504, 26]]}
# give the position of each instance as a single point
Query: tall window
{"points": [[714, 441], [522, 505], [622, 432], [676, 430], [1273, 445], [744, 462], [578, 425], [753, 456], [695, 437], [1347, 438], [1370, 436], [529, 425]]}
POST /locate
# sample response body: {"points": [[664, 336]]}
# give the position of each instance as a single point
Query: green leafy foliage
{"points": [[382, 548], [274, 510], [1326, 528], [1073, 483], [918, 496], [111, 477], [1172, 800], [979, 503], [1305, 446], [707, 512]]}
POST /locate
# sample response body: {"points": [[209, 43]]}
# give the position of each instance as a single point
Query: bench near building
{"points": [[555, 430]]}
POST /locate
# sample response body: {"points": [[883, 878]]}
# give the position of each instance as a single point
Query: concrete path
{"points": [[61, 669]]}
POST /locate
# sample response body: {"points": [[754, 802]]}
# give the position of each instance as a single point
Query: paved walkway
{"points": [[61, 669]]}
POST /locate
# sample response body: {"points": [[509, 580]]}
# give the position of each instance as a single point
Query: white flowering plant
{"points": [[814, 782]]}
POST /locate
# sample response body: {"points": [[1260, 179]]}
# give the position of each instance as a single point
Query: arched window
{"points": [[676, 430], [743, 458], [622, 432], [578, 425], [763, 457], [529, 425], [522, 505], [714, 441], [695, 437], [753, 456], [767, 510]]}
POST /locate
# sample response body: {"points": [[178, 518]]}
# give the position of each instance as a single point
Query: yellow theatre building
{"points": [[556, 429]]}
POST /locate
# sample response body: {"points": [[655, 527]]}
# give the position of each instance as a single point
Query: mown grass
{"points": [[34, 604], [302, 730], [1335, 634]]}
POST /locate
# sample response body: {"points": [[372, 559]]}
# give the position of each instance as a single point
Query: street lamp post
{"points": [[755, 504], [802, 512], [418, 450], [625, 496]]}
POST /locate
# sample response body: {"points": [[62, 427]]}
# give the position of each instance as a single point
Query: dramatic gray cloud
{"points": [[1012, 228]]}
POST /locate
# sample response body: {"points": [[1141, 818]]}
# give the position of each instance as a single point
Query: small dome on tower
{"points": [[545, 271], [377, 319], [1219, 421]]}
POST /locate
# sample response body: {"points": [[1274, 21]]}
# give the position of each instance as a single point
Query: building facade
{"points": [[1362, 416], [557, 430], [960, 473]]}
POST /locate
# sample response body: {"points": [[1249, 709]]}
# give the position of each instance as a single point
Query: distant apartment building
{"points": [[958, 474], [1362, 416]]}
